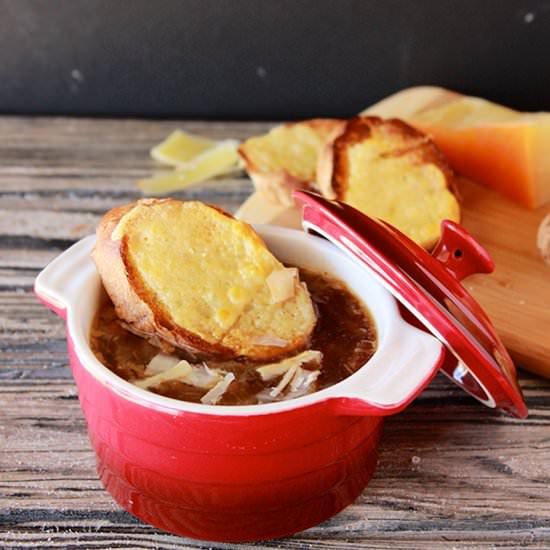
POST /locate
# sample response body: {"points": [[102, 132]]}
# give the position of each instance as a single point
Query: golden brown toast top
{"points": [[391, 171], [200, 275]]}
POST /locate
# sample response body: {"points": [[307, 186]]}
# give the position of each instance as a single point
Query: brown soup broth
{"points": [[345, 334]]}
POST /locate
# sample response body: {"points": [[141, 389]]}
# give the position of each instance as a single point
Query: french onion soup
{"points": [[201, 310], [343, 340]]}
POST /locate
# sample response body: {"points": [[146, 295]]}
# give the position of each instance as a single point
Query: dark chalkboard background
{"points": [[243, 59]]}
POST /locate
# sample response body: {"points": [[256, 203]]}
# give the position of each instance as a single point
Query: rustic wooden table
{"points": [[451, 473]]}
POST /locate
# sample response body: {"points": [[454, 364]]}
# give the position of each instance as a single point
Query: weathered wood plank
{"points": [[450, 474]]}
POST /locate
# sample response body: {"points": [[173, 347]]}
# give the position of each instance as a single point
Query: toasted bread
{"points": [[390, 171], [193, 276], [286, 157]]}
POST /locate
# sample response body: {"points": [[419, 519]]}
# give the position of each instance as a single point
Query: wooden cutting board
{"points": [[517, 295]]}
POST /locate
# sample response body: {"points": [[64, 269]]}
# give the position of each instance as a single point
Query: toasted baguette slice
{"points": [[193, 276], [286, 157], [390, 171]]}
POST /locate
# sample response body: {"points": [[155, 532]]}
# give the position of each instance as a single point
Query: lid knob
{"points": [[460, 253]]}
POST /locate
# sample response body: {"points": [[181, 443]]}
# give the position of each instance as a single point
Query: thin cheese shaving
{"points": [[202, 376], [180, 147], [216, 393], [285, 380], [302, 380], [282, 284], [161, 363], [272, 370], [270, 340], [302, 383], [214, 161], [179, 371]]}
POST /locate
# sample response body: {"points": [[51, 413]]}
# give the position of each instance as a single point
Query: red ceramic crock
{"points": [[248, 472]]}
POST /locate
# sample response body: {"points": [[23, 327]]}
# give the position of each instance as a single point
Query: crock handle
{"points": [[57, 284], [390, 381]]}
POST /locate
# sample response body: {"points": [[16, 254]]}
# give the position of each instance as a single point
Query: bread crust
{"points": [[277, 185], [143, 315]]}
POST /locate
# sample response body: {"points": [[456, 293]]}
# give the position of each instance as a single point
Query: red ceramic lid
{"points": [[429, 287]]}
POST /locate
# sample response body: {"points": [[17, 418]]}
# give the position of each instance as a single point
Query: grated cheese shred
{"points": [[272, 370], [285, 380], [216, 393], [177, 372], [163, 368], [161, 363]]}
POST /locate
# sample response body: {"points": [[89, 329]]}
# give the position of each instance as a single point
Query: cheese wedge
{"points": [[511, 155]]}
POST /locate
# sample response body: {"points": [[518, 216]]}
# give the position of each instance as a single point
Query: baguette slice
{"points": [[390, 171], [192, 276], [285, 158]]}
